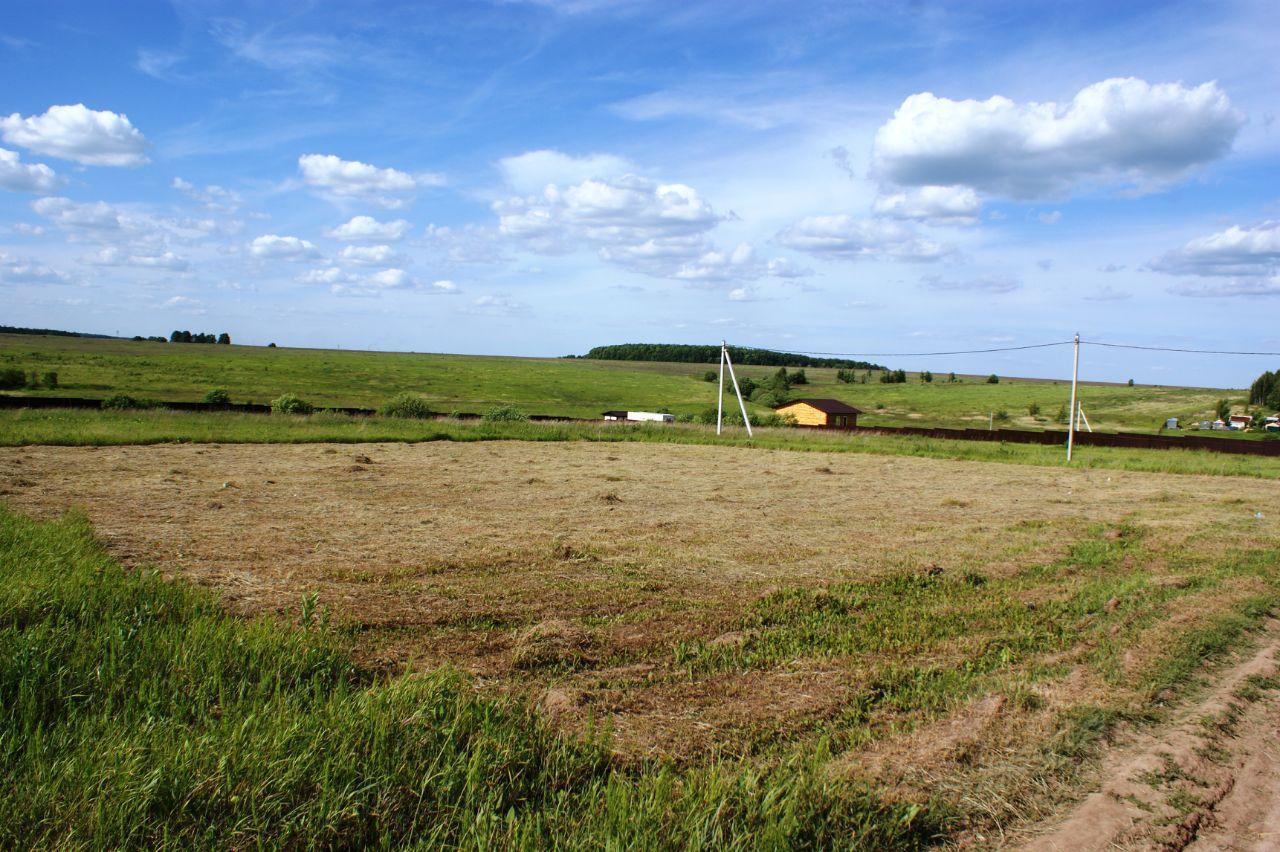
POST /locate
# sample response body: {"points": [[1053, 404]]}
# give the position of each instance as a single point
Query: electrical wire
{"points": [[911, 354], [1172, 349]]}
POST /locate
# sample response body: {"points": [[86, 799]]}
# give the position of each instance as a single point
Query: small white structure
{"points": [[1171, 423], [1239, 422], [640, 416]]}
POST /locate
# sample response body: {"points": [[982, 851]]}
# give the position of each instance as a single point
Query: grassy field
{"points": [[78, 427], [774, 654], [564, 387]]}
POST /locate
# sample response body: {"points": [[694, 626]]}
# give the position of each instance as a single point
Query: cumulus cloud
{"points": [[75, 132], [990, 284], [1236, 251], [352, 180], [369, 229], [498, 305], [115, 257], [648, 227], [533, 171], [273, 247], [369, 255], [23, 270], [783, 267], [1121, 131], [71, 215], [17, 176], [946, 205], [847, 238], [344, 283]]}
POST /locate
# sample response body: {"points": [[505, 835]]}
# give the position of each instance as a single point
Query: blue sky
{"points": [[537, 178]]}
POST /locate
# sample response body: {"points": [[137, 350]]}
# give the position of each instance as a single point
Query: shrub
{"points": [[12, 378], [224, 339], [711, 376], [122, 401], [1224, 409], [49, 379], [218, 396], [1002, 415], [1131, 383], [271, 346], [406, 405], [1033, 409], [799, 378], [290, 404], [505, 414], [993, 379]]}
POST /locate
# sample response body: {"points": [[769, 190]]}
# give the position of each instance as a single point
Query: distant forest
{"points": [[689, 354], [13, 329]]}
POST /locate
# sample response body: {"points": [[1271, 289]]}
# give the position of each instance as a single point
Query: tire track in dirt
{"points": [[1208, 780]]}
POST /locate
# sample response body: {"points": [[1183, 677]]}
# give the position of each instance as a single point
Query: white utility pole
{"points": [[1083, 419], [720, 396], [725, 360], [1075, 377]]}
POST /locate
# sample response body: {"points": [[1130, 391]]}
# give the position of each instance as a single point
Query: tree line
{"points": [[1265, 390], [695, 354], [199, 337]]}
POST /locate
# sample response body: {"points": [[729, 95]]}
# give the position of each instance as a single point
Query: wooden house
{"points": [[825, 413]]}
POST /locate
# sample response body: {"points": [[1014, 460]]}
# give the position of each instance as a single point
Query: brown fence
{"points": [[1089, 439], [1011, 436]]}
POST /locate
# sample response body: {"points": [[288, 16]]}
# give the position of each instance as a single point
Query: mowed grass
{"points": [[77, 427], [561, 387], [134, 713]]}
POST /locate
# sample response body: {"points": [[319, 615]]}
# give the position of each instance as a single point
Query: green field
{"points": [[563, 387], [81, 427]]}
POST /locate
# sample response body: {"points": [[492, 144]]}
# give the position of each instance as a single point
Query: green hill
{"points": [[570, 387]]}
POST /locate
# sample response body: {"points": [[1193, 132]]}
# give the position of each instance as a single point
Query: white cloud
{"points": [[498, 305], [533, 171], [75, 132], [1121, 131], [17, 176], [325, 275], [115, 257], [948, 205], [344, 283], [1235, 251], [468, 244], [445, 286], [27, 230], [783, 267], [184, 303], [369, 229], [1229, 288], [273, 247], [369, 255], [648, 227], [352, 180], [991, 284], [1053, 217], [213, 197], [68, 214], [20, 270], [847, 238]]}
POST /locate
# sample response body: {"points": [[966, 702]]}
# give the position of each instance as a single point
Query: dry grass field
{"points": [[947, 629]]}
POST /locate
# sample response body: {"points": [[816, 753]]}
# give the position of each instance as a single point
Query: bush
{"points": [[504, 414], [218, 396], [1002, 415], [711, 376], [993, 379], [122, 401], [406, 405], [799, 378], [11, 378], [290, 404], [49, 379], [1033, 409]]}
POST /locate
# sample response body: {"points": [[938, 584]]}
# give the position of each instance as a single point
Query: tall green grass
{"points": [[71, 427], [135, 713]]}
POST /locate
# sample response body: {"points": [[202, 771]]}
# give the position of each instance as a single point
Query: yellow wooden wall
{"points": [[805, 414]]}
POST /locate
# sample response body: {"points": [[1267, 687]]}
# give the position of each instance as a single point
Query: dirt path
{"points": [[1210, 780]]}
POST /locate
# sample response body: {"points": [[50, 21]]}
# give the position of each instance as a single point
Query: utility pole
{"points": [[720, 396], [725, 360], [1075, 377]]}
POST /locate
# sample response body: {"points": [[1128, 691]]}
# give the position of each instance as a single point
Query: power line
{"points": [[913, 354], [1172, 349]]}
